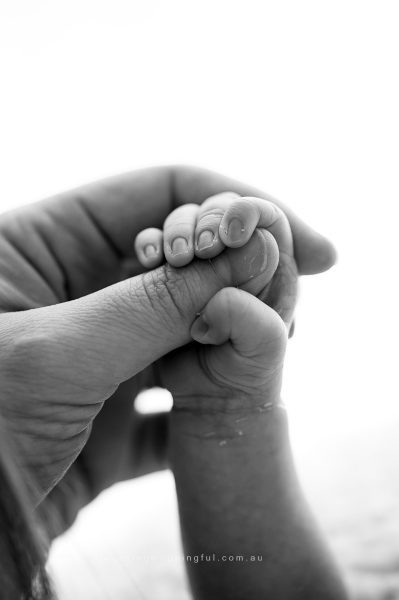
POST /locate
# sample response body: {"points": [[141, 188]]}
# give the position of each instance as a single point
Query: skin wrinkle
{"points": [[158, 289], [63, 500], [44, 427], [212, 436], [141, 294], [20, 352], [208, 215], [18, 279], [19, 300], [284, 303], [219, 277], [41, 462], [76, 271], [119, 300], [220, 382], [233, 428], [226, 391], [57, 274], [251, 262], [171, 284], [45, 466], [65, 292], [38, 417], [33, 265], [99, 228]]}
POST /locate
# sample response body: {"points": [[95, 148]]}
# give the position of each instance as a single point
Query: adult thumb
{"points": [[107, 337]]}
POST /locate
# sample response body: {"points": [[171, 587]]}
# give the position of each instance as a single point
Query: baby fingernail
{"points": [[150, 251], [199, 328], [205, 240], [235, 230], [179, 246]]}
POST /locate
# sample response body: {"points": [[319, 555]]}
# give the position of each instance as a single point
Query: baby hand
{"points": [[225, 220], [239, 360]]}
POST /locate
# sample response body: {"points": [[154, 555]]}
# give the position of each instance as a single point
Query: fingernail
{"points": [[199, 328], [179, 246], [292, 330], [205, 240], [235, 230], [258, 260], [150, 251]]}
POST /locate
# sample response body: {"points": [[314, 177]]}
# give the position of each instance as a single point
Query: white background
{"points": [[300, 98]]}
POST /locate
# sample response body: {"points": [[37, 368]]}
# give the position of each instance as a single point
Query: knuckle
{"points": [[210, 217], [178, 228], [29, 346], [228, 296], [185, 213], [166, 290]]}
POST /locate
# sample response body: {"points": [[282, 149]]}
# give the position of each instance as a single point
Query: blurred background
{"points": [[300, 99]]}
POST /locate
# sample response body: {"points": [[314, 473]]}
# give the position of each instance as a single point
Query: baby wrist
{"points": [[224, 420]]}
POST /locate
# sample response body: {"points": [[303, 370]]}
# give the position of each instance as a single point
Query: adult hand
{"points": [[78, 320]]}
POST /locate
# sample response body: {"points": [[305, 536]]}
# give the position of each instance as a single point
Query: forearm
{"points": [[239, 497]]}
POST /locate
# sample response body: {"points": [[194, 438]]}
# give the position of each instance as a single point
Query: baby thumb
{"points": [[250, 339]]}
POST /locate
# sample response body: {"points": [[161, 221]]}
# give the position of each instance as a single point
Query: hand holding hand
{"points": [[78, 319]]}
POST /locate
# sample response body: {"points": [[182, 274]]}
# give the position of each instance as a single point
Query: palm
{"points": [[52, 256]]}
